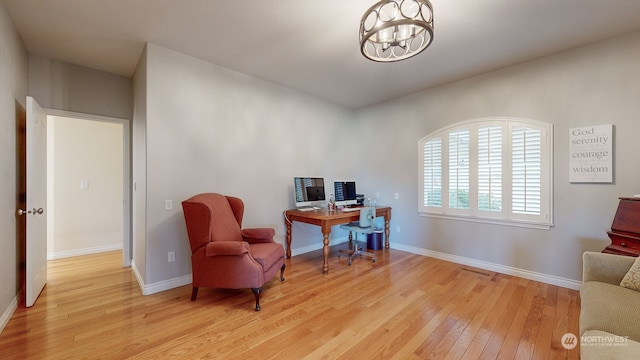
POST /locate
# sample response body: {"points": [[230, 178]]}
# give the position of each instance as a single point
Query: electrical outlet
{"points": [[396, 196], [377, 195], [397, 229], [171, 256], [168, 205]]}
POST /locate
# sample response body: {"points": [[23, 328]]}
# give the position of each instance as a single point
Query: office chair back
{"points": [[366, 217]]}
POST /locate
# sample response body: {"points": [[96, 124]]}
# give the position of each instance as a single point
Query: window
{"points": [[489, 170]]}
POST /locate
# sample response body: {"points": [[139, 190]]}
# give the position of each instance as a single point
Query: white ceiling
{"points": [[312, 46]]}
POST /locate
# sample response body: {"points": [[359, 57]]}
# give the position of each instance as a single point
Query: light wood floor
{"points": [[404, 306]]}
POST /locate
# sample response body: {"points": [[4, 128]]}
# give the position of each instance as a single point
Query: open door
{"points": [[36, 216]]}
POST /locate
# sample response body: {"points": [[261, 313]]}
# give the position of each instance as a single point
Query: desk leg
{"points": [[325, 251], [288, 238], [387, 231]]}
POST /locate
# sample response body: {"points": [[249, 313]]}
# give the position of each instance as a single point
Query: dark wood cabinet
{"points": [[625, 230]]}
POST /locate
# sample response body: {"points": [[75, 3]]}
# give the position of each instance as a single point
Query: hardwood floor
{"points": [[404, 306]]}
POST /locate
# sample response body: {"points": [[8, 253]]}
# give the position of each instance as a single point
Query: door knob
{"points": [[34, 211]]}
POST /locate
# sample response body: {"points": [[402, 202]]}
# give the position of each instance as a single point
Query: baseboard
{"points": [[8, 313], [85, 251], [525, 274], [149, 289]]}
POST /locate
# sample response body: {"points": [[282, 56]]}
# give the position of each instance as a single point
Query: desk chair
{"points": [[363, 226]]}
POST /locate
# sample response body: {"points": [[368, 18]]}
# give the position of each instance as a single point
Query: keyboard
{"points": [[309, 208], [347, 209]]}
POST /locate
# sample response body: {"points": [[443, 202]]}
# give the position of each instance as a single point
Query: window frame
{"points": [[506, 216]]}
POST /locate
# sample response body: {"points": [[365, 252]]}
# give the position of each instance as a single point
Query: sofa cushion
{"points": [[610, 308], [601, 345], [631, 279]]}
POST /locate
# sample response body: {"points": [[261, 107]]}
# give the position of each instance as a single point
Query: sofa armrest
{"points": [[226, 248], [258, 235], [608, 268]]}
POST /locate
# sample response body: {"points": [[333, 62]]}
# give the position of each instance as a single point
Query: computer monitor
{"points": [[345, 192], [308, 191]]}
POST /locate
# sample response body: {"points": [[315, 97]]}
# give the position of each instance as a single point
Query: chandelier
{"points": [[393, 30]]}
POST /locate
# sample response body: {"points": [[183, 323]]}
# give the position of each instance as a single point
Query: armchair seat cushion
{"points": [[267, 254]]}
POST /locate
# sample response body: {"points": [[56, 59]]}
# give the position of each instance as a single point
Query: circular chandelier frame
{"points": [[393, 30]]}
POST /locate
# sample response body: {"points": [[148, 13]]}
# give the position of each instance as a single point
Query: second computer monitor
{"points": [[345, 192]]}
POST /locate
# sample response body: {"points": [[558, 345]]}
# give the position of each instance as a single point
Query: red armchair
{"points": [[223, 255]]}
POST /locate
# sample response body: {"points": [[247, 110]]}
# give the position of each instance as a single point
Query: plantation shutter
{"points": [[527, 170], [432, 173], [459, 169], [490, 168]]}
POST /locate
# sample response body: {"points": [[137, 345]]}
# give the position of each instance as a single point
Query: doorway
{"points": [[87, 176], [123, 176]]}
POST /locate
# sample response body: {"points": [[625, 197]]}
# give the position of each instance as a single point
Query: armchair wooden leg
{"points": [[256, 292], [194, 293], [282, 272]]}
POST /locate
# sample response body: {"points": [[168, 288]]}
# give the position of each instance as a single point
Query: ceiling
{"points": [[312, 46]]}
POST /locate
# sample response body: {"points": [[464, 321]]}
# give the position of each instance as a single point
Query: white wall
{"points": [[63, 86], [138, 171], [84, 220], [209, 129], [13, 92], [593, 85]]}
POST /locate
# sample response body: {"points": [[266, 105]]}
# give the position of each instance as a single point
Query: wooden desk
{"points": [[326, 219]]}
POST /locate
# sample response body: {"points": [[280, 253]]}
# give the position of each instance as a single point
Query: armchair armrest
{"points": [[258, 235], [608, 268], [226, 248]]}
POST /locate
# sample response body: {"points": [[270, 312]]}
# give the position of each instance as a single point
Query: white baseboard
{"points": [[8, 313], [160, 285], [85, 251], [503, 269]]}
